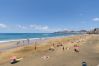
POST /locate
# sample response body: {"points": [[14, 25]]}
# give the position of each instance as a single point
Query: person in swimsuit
{"points": [[13, 59]]}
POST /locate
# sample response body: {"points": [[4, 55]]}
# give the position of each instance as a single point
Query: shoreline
{"points": [[11, 44], [11, 40]]}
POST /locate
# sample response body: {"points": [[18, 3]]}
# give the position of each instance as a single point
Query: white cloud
{"points": [[21, 27], [3, 26], [96, 19], [33, 26], [45, 27], [39, 27], [53, 29]]}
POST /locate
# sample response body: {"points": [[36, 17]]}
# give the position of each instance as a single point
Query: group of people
{"points": [[75, 47], [22, 43], [13, 59]]}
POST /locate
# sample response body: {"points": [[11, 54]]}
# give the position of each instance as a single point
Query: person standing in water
{"points": [[28, 41]]}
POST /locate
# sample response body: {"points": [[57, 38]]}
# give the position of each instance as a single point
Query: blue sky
{"points": [[34, 16]]}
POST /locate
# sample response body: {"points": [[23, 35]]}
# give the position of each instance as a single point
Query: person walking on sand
{"points": [[63, 48], [35, 46]]}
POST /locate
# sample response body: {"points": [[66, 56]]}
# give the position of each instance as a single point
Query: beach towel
{"points": [[19, 59], [45, 57]]}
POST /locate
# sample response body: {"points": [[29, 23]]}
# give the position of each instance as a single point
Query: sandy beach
{"points": [[55, 52]]}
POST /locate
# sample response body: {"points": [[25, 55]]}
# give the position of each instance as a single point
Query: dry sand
{"points": [[89, 52]]}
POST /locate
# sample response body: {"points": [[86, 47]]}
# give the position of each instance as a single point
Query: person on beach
{"points": [[52, 48], [63, 48], [18, 43], [28, 41], [59, 44], [84, 64], [76, 48], [23, 42], [13, 59], [35, 46], [53, 45]]}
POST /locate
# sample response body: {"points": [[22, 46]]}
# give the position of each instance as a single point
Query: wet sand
{"points": [[89, 52]]}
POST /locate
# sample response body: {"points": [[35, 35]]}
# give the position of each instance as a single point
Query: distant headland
{"points": [[92, 31]]}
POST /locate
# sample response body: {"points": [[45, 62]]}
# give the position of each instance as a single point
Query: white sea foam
{"points": [[33, 39], [4, 41]]}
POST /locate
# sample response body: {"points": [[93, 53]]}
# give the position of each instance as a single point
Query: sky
{"points": [[41, 16]]}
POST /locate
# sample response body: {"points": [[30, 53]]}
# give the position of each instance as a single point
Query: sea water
{"points": [[16, 36], [32, 37]]}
